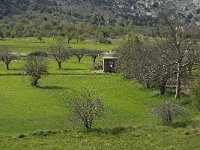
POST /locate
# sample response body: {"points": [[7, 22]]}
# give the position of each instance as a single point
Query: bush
{"points": [[97, 66], [82, 38], [85, 109], [167, 111], [44, 133], [21, 136], [105, 41]]}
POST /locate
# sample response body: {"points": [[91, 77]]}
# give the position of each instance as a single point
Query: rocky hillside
{"points": [[88, 18], [99, 11]]}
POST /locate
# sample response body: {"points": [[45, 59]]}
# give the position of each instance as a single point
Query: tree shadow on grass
{"points": [[52, 87], [181, 124], [114, 131], [73, 69], [15, 69]]}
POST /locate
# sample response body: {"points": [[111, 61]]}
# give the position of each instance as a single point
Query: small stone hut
{"points": [[109, 64]]}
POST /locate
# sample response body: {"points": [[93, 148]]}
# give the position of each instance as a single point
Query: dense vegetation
{"points": [[83, 19]]}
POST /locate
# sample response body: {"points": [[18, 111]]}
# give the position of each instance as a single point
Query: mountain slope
{"points": [[139, 11], [99, 18]]}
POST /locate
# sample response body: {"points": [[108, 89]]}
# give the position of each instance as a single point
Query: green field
{"points": [[129, 125], [42, 108], [27, 45]]}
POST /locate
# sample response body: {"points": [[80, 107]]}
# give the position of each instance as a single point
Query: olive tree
{"points": [[60, 53], [79, 53], [94, 55], [6, 56], [36, 67], [85, 109]]}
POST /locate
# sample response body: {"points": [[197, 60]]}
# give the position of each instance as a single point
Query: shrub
{"points": [[21, 136], [82, 38], [105, 41], [167, 111], [97, 66], [85, 109], [43, 133]]}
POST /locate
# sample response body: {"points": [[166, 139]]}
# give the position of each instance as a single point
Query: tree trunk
{"points": [[59, 65], [94, 60], [162, 89], [34, 81], [88, 125], [178, 82], [79, 59], [148, 85], [168, 120], [7, 66], [190, 69]]}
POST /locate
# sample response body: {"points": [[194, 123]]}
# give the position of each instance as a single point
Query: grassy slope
{"points": [[141, 138], [24, 109]]}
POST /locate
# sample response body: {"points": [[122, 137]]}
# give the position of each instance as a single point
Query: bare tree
{"points": [[85, 109], [170, 60], [79, 53], [36, 67], [130, 65], [60, 53], [193, 60], [167, 111], [182, 36], [94, 55], [6, 56], [148, 63]]}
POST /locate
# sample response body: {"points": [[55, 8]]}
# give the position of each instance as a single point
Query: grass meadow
{"points": [[39, 114], [27, 45]]}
